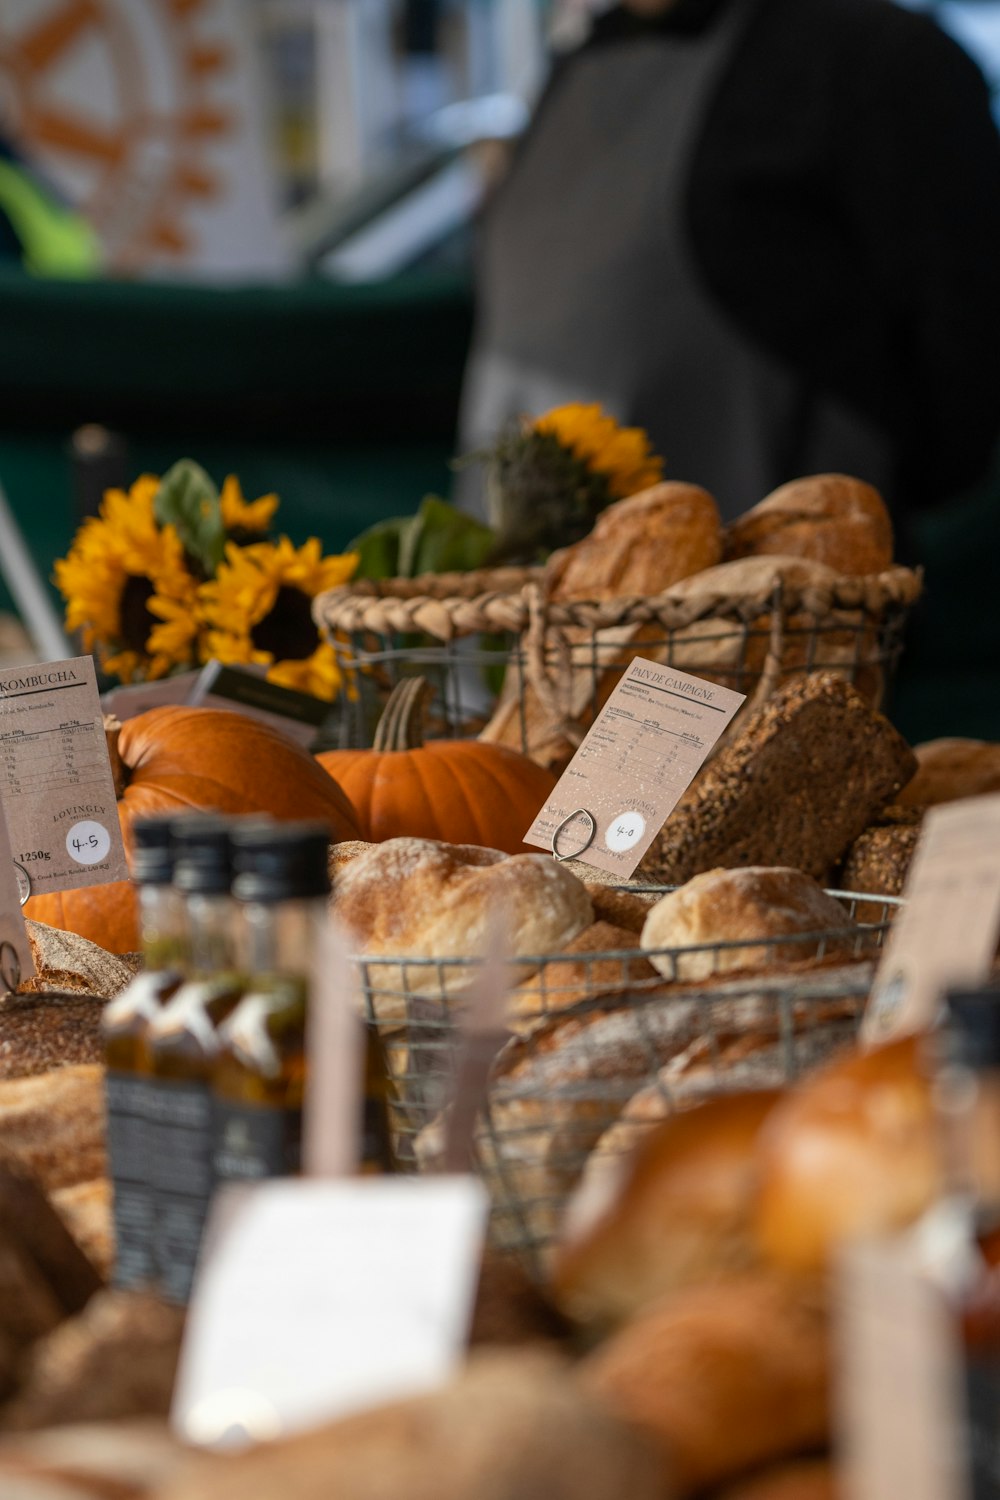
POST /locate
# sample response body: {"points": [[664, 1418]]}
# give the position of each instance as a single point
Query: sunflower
{"points": [[245, 520], [549, 478], [258, 608], [623, 455], [128, 589]]}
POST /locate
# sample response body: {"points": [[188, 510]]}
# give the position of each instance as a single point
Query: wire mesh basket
{"points": [[596, 1046], [518, 668]]}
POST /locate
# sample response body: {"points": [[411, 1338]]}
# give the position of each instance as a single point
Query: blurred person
{"points": [[768, 231]]}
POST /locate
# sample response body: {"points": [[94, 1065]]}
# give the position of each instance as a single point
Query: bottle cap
{"points": [[153, 851], [973, 1027], [281, 862], [204, 856]]}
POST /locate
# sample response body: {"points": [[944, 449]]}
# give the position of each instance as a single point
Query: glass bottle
{"points": [[182, 1041], [124, 1030], [282, 888]]}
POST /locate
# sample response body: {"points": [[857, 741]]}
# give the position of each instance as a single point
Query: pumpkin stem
{"points": [[119, 771], [401, 726]]}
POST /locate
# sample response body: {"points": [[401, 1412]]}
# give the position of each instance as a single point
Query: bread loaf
{"points": [[728, 906], [676, 1211], [831, 518], [640, 546], [509, 1427], [796, 785], [949, 769], [417, 898], [850, 1151], [804, 1479], [577, 974], [44, 1031], [86, 1208], [53, 1126], [724, 1377], [878, 861], [66, 962]]}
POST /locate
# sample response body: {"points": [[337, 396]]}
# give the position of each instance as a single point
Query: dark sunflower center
{"points": [[288, 631], [135, 620]]}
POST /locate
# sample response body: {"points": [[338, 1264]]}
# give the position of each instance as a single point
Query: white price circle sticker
{"points": [[625, 831], [88, 842]]}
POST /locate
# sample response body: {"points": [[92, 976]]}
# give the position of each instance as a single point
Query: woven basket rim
{"points": [[450, 605]]}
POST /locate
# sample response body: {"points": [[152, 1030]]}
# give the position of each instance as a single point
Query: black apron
{"points": [[589, 292]]}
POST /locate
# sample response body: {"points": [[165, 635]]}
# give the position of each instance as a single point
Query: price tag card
{"points": [[946, 933], [315, 1299], [16, 962], [56, 784], [645, 748]]}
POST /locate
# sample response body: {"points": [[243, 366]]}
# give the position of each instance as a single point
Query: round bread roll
{"points": [[418, 898], [675, 1212], [727, 906], [950, 769], [831, 518], [641, 545], [723, 1376], [850, 1151]]}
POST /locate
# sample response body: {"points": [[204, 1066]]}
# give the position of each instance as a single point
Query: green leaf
{"points": [[448, 541], [378, 547], [188, 500]]}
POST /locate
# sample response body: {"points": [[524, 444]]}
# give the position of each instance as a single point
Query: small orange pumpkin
{"points": [[461, 791], [178, 759]]}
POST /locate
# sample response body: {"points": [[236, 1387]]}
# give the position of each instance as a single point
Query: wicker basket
{"points": [[523, 670], [598, 1045]]}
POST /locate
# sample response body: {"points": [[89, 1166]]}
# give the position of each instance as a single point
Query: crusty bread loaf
{"points": [[27, 1215], [949, 769], [878, 861], [86, 1208], [831, 518], [508, 1427], [728, 906], [723, 1376], [676, 1211], [850, 1151], [53, 1126], [622, 908], [117, 1358], [640, 546], [417, 898], [41, 1032], [802, 1479], [342, 854], [796, 785], [577, 975], [66, 962]]}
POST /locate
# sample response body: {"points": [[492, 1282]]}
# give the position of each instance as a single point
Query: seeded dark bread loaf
{"points": [[878, 861], [804, 777]]}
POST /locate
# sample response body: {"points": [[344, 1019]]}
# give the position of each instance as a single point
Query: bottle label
{"points": [[253, 1141], [181, 1173], [129, 1155]]}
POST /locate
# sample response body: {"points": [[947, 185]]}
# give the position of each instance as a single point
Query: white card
{"points": [[331, 1110], [946, 932], [642, 752], [317, 1299]]}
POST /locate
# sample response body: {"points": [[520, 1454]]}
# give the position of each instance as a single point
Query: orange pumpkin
{"points": [[462, 791], [182, 760]]}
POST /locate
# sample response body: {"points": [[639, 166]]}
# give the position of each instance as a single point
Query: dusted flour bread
{"points": [[640, 546], [804, 776], [508, 1427], [53, 1126], [724, 1377], [117, 1358], [676, 1211], [727, 906], [417, 898], [342, 854], [578, 975], [850, 1151], [831, 518], [66, 962], [950, 769]]}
